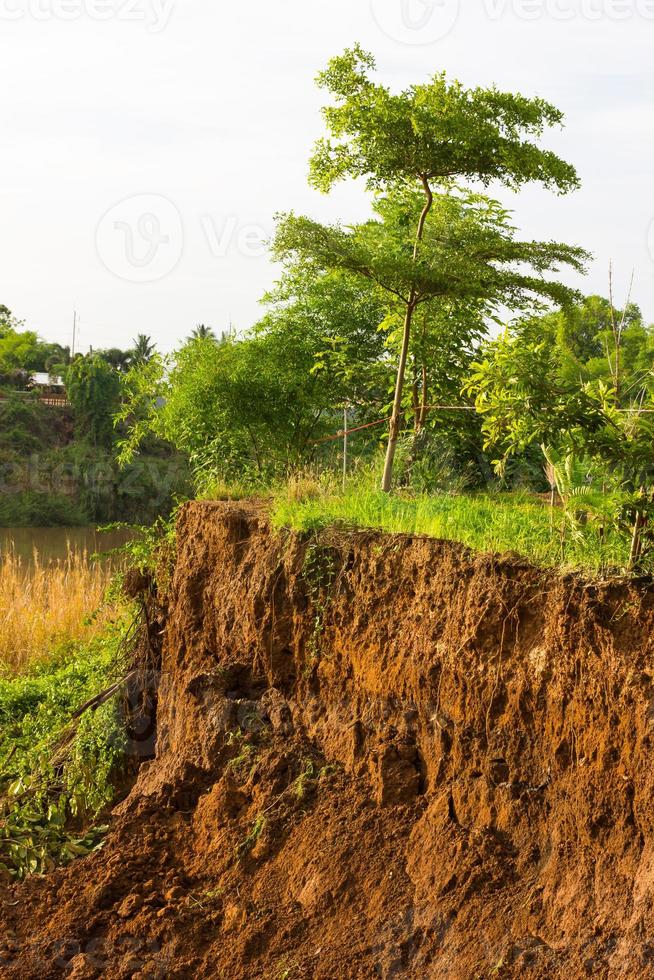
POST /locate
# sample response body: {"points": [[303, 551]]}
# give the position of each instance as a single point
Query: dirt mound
{"points": [[376, 757]]}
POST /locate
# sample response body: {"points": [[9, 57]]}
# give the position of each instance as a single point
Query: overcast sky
{"points": [[147, 144]]}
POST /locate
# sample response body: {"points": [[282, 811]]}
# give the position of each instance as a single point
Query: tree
{"points": [[93, 388], [424, 138], [469, 266], [258, 405], [247, 408], [23, 350], [202, 332], [143, 349], [19, 350], [341, 316], [119, 359], [585, 334], [8, 322], [526, 397]]}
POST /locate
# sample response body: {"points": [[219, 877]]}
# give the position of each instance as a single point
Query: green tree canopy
{"points": [[143, 349], [250, 407], [93, 388], [527, 397], [424, 138], [434, 132], [342, 318], [584, 334], [203, 332], [119, 359]]}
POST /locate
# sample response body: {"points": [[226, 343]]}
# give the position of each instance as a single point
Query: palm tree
{"points": [[142, 350], [119, 359], [202, 332]]}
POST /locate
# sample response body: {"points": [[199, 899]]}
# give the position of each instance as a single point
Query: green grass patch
{"points": [[499, 523]]}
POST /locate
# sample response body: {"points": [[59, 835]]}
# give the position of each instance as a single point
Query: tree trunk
{"points": [[394, 429], [636, 552], [423, 401]]}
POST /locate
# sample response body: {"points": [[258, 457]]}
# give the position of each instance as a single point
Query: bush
{"points": [[57, 774], [33, 509]]}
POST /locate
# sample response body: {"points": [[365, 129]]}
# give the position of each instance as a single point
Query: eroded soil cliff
{"points": [[376, 757]]}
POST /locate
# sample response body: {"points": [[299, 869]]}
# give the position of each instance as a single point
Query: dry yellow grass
{"points": [[45, 604]]}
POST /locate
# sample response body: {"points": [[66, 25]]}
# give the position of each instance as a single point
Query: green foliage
{"points": [[18, 349], [203, 332], [247, 750], [23, 350], [434, 258], [341, 318], [78, 484], [468, 252], [150, 549], [246, 845], [31, 508], [438, 131], [142, 351], [24, 423], [411, 148], [93, 388], [306, 781], [584, 334], [250, 407], [57, 774], [526, 394], [524, 397], [117, 358]]}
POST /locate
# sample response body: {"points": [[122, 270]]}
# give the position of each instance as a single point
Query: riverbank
{"points": [[50, 477], [52, 544], [51, 603], [376, 755]]}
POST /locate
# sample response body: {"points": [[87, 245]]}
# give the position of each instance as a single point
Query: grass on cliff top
{"points": [[498, 523]]}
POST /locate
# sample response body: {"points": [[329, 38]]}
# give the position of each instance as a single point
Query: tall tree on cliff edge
{"points": [[470, 264], [425, 138]]}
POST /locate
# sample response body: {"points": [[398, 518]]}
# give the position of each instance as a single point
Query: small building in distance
{"points": [[47, 384]]}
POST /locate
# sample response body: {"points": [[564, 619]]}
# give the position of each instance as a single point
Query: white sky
{"points": [[200, 115]]}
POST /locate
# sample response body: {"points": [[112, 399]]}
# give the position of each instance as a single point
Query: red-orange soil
{"points": [[376, 757]]}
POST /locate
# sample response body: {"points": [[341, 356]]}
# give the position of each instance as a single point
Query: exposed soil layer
{"points": [[376, 757]]}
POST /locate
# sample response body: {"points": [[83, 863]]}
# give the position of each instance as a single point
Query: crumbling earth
{"points": [[376, 757]]}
